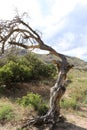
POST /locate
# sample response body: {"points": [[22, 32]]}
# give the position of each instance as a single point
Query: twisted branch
{"points": [[19, 33], [8, 35]]}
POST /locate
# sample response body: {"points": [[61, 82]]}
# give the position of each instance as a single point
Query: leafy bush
{"points": [[5, 74], [30, 99], [34, 100], [14, 72], [6, 113], [39, 68], [9, 57], [19, 72], [12, 57], [25, 69]]}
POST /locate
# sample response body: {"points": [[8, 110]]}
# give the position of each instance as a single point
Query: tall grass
{"points": [[76, 90]]}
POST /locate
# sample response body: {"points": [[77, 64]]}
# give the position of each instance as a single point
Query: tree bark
{"points": [[56, 92]]}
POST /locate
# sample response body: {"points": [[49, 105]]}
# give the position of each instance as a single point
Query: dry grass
{"points": [[77, 88]]}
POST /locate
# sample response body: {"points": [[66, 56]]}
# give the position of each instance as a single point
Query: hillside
{"points": [[73, 103], [78, 63]]}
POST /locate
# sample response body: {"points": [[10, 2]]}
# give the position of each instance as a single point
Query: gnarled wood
{"points": [[56, 92], [19, 33]]}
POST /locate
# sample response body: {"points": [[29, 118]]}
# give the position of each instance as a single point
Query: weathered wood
{"points": [[56, 92], [19, 33]]}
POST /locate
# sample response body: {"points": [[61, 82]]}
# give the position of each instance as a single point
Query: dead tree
{"points": [[19, 33]]}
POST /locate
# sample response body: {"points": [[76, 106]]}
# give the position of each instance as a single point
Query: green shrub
{"points": [[27, 68], [20, 72], [34, 100], [42, 109], [6, 113], [40, 69], [14, 72], [47, 70], [8, 58], [12, 57], [5, 74], [30, 99]]}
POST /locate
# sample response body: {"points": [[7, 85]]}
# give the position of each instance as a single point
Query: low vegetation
{"points": [[35, 101], [21, 69], [76, 95], [6, 113], [25, 69]]}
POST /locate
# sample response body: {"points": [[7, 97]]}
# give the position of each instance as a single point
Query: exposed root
{"points": [[43, 120], [38, 121]]}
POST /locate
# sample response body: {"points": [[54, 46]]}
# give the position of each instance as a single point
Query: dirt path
{"points": [[76, 122]]}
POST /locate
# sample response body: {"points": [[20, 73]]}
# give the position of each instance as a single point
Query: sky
{"points": [[63, 23]]}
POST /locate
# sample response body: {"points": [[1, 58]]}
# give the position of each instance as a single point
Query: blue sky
{"points": [[63, 23]]}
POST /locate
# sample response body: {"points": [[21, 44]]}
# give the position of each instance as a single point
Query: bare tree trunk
{"points": [[56, 92], [19, 33]]}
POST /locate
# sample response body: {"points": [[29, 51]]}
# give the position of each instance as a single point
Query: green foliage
{"points": [[42, 109], [30, 99], [39, 68], [12, 57], [2, 62], [5, 74], [8, 58], [22, 129], [34, 100], [6, 113], [14, 72], [25, 69], [77, 89]]}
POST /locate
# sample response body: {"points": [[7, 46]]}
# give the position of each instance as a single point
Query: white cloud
{"points": [[7, 8], [55, 20], [84, 2], [71, 39], [65, 43], [63, 27], [62, 8], [79, 52]]}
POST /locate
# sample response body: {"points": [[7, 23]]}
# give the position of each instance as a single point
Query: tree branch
{"points": [[24, 46], [18, 25], [17, 32]]}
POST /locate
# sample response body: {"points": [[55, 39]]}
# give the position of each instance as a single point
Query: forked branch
{"points": [[12, 31]]}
